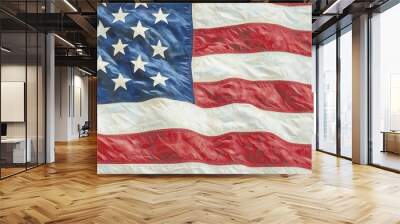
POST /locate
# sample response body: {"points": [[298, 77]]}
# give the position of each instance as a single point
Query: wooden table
{"points": [[391, 141]]}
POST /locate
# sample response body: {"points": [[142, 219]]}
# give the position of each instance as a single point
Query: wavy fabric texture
{"points": [[265, 66], [279, 96], [206, 88], [214, 15], [251, 38], [253, 149], [156, 114]]}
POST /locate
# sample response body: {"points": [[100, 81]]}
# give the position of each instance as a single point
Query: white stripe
{"points": [[194, 168], [253, 67], [223, 14], [162, 113]]}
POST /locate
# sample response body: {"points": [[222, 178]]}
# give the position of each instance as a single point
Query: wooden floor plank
{"points": [[70, 191]]}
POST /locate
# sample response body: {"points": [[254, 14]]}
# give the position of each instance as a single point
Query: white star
{"points": [[120, 82], [160, 16], [159, 79], [139, 64], [101, 30], [101, 65], [140, 4], [120, 16], [119, 47], [139, 30], [159, 49]]}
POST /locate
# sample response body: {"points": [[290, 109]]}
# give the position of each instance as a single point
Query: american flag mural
{"points": [[204, 88]]}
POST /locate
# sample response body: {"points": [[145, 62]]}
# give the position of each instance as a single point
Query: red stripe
{"points": [[280, 96], [256, 149], [250, 38]]}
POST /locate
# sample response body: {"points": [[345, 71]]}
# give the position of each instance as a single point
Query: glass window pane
{"points": [[385, 84], [13, 86], [327, 97], [23, 85], [31, 97], [346, 94], [313, 82], [32, 87]]}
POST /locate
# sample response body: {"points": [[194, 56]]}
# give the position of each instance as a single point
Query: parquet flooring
{"points": [[70, 191], [10, 171]]}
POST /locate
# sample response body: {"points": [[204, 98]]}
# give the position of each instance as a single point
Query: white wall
{"points": [[61, 103], [33, 127], [16, 73], [80, 110], [12, 73], [71, 102]]}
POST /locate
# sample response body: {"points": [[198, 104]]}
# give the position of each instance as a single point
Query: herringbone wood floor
{"points": [[69, 191]]}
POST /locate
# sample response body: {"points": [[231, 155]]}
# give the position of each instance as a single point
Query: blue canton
{"points": [[165, 75]]}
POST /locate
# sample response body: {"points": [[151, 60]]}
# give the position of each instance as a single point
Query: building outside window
{"points": [[346, 93], [327, 96]]}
